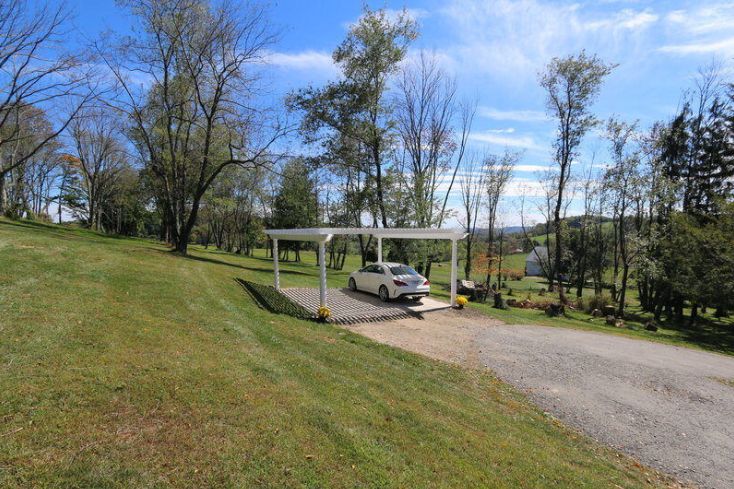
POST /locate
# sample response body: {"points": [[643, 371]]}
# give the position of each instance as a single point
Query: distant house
{"points": [[535, 260]]}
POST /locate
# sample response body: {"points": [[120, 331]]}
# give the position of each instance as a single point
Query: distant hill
{"points": [[538, 230], [484, 232]]}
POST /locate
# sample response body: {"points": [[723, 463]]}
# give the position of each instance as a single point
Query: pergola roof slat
{"points": [[325, 234]]}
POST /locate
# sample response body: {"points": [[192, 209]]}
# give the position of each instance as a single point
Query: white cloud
{"points": [[704, 20], [514, 39], [531, 168], [413, 13], [442, 59], [706, 29], [624, 19], [393, 14], [305, 60], [498, 139], [722, 46], [512, 115], [524, 186]]}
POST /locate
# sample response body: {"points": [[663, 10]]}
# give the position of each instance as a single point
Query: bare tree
{"points": [[425, 112], [588, 190], [545, 263], [99, 159], [472, 186], [622, 182], [30, 167], [572, 84], [196, 113], [498, 172], [34, 72], [545, 205], [425, 109]]}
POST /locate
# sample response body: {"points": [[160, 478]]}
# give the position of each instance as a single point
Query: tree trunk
{"points": [[581, 267], [558, 251], [3, 198], [378, 182], [623, 291], [694, 314], [467, 264]]}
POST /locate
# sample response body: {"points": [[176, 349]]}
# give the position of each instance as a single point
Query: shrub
{"points": [[597, 302], [512, 274]]}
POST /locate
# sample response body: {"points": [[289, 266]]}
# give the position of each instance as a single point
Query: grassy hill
{"points": [[123, 365]]}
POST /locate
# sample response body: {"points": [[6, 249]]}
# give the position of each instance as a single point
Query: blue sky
{"points": [[495, 50]]}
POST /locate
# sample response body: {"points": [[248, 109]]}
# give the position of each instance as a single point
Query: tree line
{"points": [[164, 132]]}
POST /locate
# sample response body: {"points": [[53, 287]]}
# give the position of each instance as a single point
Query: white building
{"points": [[535, 260]]}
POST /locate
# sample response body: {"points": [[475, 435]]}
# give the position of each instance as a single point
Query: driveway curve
{"points": [[669, 407]]}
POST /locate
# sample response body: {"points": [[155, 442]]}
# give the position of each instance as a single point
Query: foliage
{"points": [[195, 120], [572, 84]]}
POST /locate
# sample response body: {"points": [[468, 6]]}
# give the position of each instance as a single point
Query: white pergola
{"points": [[324, 235]]}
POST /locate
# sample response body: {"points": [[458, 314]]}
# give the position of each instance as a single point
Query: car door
{"points": [[365, 279], [378, 278]]}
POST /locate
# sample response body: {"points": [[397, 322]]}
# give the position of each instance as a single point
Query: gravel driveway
{"points": [[664, 405]]}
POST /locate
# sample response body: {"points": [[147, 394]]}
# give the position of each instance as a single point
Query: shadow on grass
{"points": [[234, 265], [706, 333], [273, 301], [64, 231]]}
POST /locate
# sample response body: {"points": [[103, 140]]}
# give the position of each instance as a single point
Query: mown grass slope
{"points": [[123, 365]]}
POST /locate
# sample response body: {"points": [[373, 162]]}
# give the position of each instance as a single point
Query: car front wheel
{"points": [[352, 284], [384, 294]]}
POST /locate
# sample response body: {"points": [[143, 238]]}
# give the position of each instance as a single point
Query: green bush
{"points": [[597, 302]]}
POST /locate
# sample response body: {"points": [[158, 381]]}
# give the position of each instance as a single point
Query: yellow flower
{"points": [[461, 301], [324, 312]]}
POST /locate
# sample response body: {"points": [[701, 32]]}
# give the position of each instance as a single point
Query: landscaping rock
{"points": [[651, 326], [619, 323], [511, 302], [596, 313], [611, 320]]}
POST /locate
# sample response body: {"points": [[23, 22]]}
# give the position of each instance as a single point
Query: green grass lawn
{"points": [[124, 365]]}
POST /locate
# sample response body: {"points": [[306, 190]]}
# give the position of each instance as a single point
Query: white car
{"points": [[390, 281]]}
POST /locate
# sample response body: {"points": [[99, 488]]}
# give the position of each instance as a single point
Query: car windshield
{"points": [[403, 270]]}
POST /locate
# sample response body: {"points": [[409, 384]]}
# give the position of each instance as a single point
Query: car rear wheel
{"points": [[383, 293], [352, 284]]}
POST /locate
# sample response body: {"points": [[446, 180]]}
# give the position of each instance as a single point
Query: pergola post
{"points": [[275, 264], [454, 267], [322, 269], [379, 249]]}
